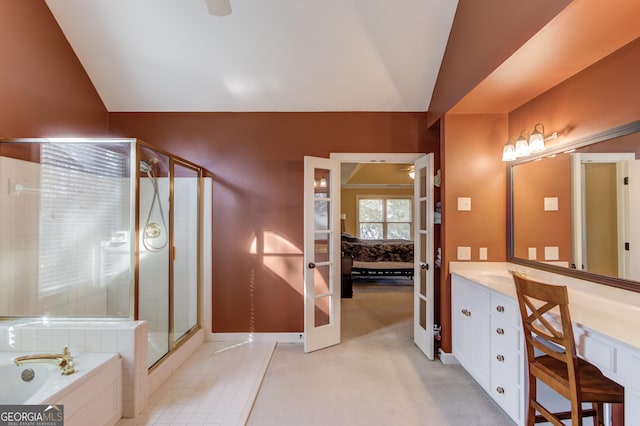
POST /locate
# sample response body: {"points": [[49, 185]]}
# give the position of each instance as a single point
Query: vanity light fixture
{"points": [[509, 150], [536, 139], [533, 144], [522, 146]]}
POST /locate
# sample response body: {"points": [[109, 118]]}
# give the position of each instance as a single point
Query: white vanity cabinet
{"points": [[470, 324], [486, 341], [487, 337], [507, 355], [626, 362]]}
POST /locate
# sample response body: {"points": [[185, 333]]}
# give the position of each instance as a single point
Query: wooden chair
{"points": [[558, 366]]}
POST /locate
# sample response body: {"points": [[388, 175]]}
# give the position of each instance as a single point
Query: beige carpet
{"points": [[376, 376]]}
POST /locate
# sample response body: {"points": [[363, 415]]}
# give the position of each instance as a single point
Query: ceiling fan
{"points": [[218, 7]]}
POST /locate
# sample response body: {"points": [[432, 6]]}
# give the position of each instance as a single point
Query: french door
{"points": [[423, 255], [321, 253], [322, 249]]}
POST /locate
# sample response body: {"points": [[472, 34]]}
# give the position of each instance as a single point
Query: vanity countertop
{"points": [[607, 310]]}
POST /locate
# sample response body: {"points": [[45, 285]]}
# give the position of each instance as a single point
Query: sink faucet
{"points": [[63, 360]]}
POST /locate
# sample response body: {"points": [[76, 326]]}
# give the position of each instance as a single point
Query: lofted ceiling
{"points": [[267, 55]]}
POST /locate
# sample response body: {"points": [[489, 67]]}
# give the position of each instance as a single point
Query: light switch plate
{"points": [[464, 204], [551, 253], [532, 253], [483, 253], [464, 253], [551, 204]]}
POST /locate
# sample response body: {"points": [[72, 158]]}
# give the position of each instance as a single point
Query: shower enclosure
{"points": [[101, 228]]}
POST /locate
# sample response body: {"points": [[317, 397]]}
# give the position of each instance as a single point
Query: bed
{"points": [[378, 257]]}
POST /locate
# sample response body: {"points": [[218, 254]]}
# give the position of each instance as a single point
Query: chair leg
{"points": [[576, 411], [598, 419], [531, 416]]}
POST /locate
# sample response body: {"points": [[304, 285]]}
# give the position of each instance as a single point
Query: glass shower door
{"points": [[185, 251], [153, 249]]}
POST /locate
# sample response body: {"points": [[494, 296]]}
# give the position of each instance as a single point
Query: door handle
{"points": [[424, 266], [312, 265]]}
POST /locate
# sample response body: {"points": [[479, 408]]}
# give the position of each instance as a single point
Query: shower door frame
{"points": [[173, 160]]}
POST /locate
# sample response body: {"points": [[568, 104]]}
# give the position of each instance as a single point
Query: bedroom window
{"points": [[383, 218]]}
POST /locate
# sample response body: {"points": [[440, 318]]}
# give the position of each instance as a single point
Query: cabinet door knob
{"points": [[312, 265], [500, 389], [500, 308], [500, 331], [500, 358], [466, 313]]}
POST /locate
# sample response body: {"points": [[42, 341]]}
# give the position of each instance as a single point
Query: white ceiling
{"points": [[268, 55]]}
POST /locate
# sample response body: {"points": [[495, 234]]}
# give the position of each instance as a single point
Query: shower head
{"points": [[146, 166]]}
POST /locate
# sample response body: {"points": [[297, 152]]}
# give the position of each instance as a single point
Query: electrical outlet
{"points": [[533, 253], [464, 253], [483, 253]]}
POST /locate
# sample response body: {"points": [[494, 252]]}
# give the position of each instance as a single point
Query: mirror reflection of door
{"points": [[601, 213], [600, 218]]}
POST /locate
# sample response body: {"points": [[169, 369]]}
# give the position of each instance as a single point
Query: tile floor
{"points": [[216, 386], [381, 376]]}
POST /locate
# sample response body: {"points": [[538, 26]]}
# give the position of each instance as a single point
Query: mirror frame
{"points": [[612, 133]]}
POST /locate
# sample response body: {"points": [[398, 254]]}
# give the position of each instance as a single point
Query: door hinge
{"points": [[626, 180], [626, 246]]}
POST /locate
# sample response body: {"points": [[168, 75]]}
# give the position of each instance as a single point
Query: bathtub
{"points": [[92, 395]]}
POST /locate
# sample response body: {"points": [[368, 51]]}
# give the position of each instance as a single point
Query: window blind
{"points": [[84, 201]]}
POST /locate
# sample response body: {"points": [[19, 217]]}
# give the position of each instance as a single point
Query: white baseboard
{"points": [[447, 358], [259, 337]]}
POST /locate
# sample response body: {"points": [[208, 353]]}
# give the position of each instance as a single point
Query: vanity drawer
{"points": [[505, 308], [507, 395], [504, 333], [506, 361]]}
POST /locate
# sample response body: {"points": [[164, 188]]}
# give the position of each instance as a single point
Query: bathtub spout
{"points": [[63, 360]]}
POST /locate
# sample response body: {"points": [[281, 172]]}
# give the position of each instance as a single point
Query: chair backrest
{"points": [[536, 299]]}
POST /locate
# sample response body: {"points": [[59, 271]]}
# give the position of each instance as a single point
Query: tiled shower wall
{"points": [[19, 251]]}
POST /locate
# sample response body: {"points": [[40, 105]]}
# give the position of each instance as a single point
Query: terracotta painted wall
{"points": [[257, 161], [473, 168], [484, 34], [533, 226], [605, 95], [44, 90]]}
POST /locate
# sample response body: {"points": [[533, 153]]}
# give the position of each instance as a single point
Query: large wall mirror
{"points": [[576, 209]]}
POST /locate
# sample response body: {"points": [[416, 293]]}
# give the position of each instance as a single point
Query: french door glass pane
{"points": [[322, 311]]}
